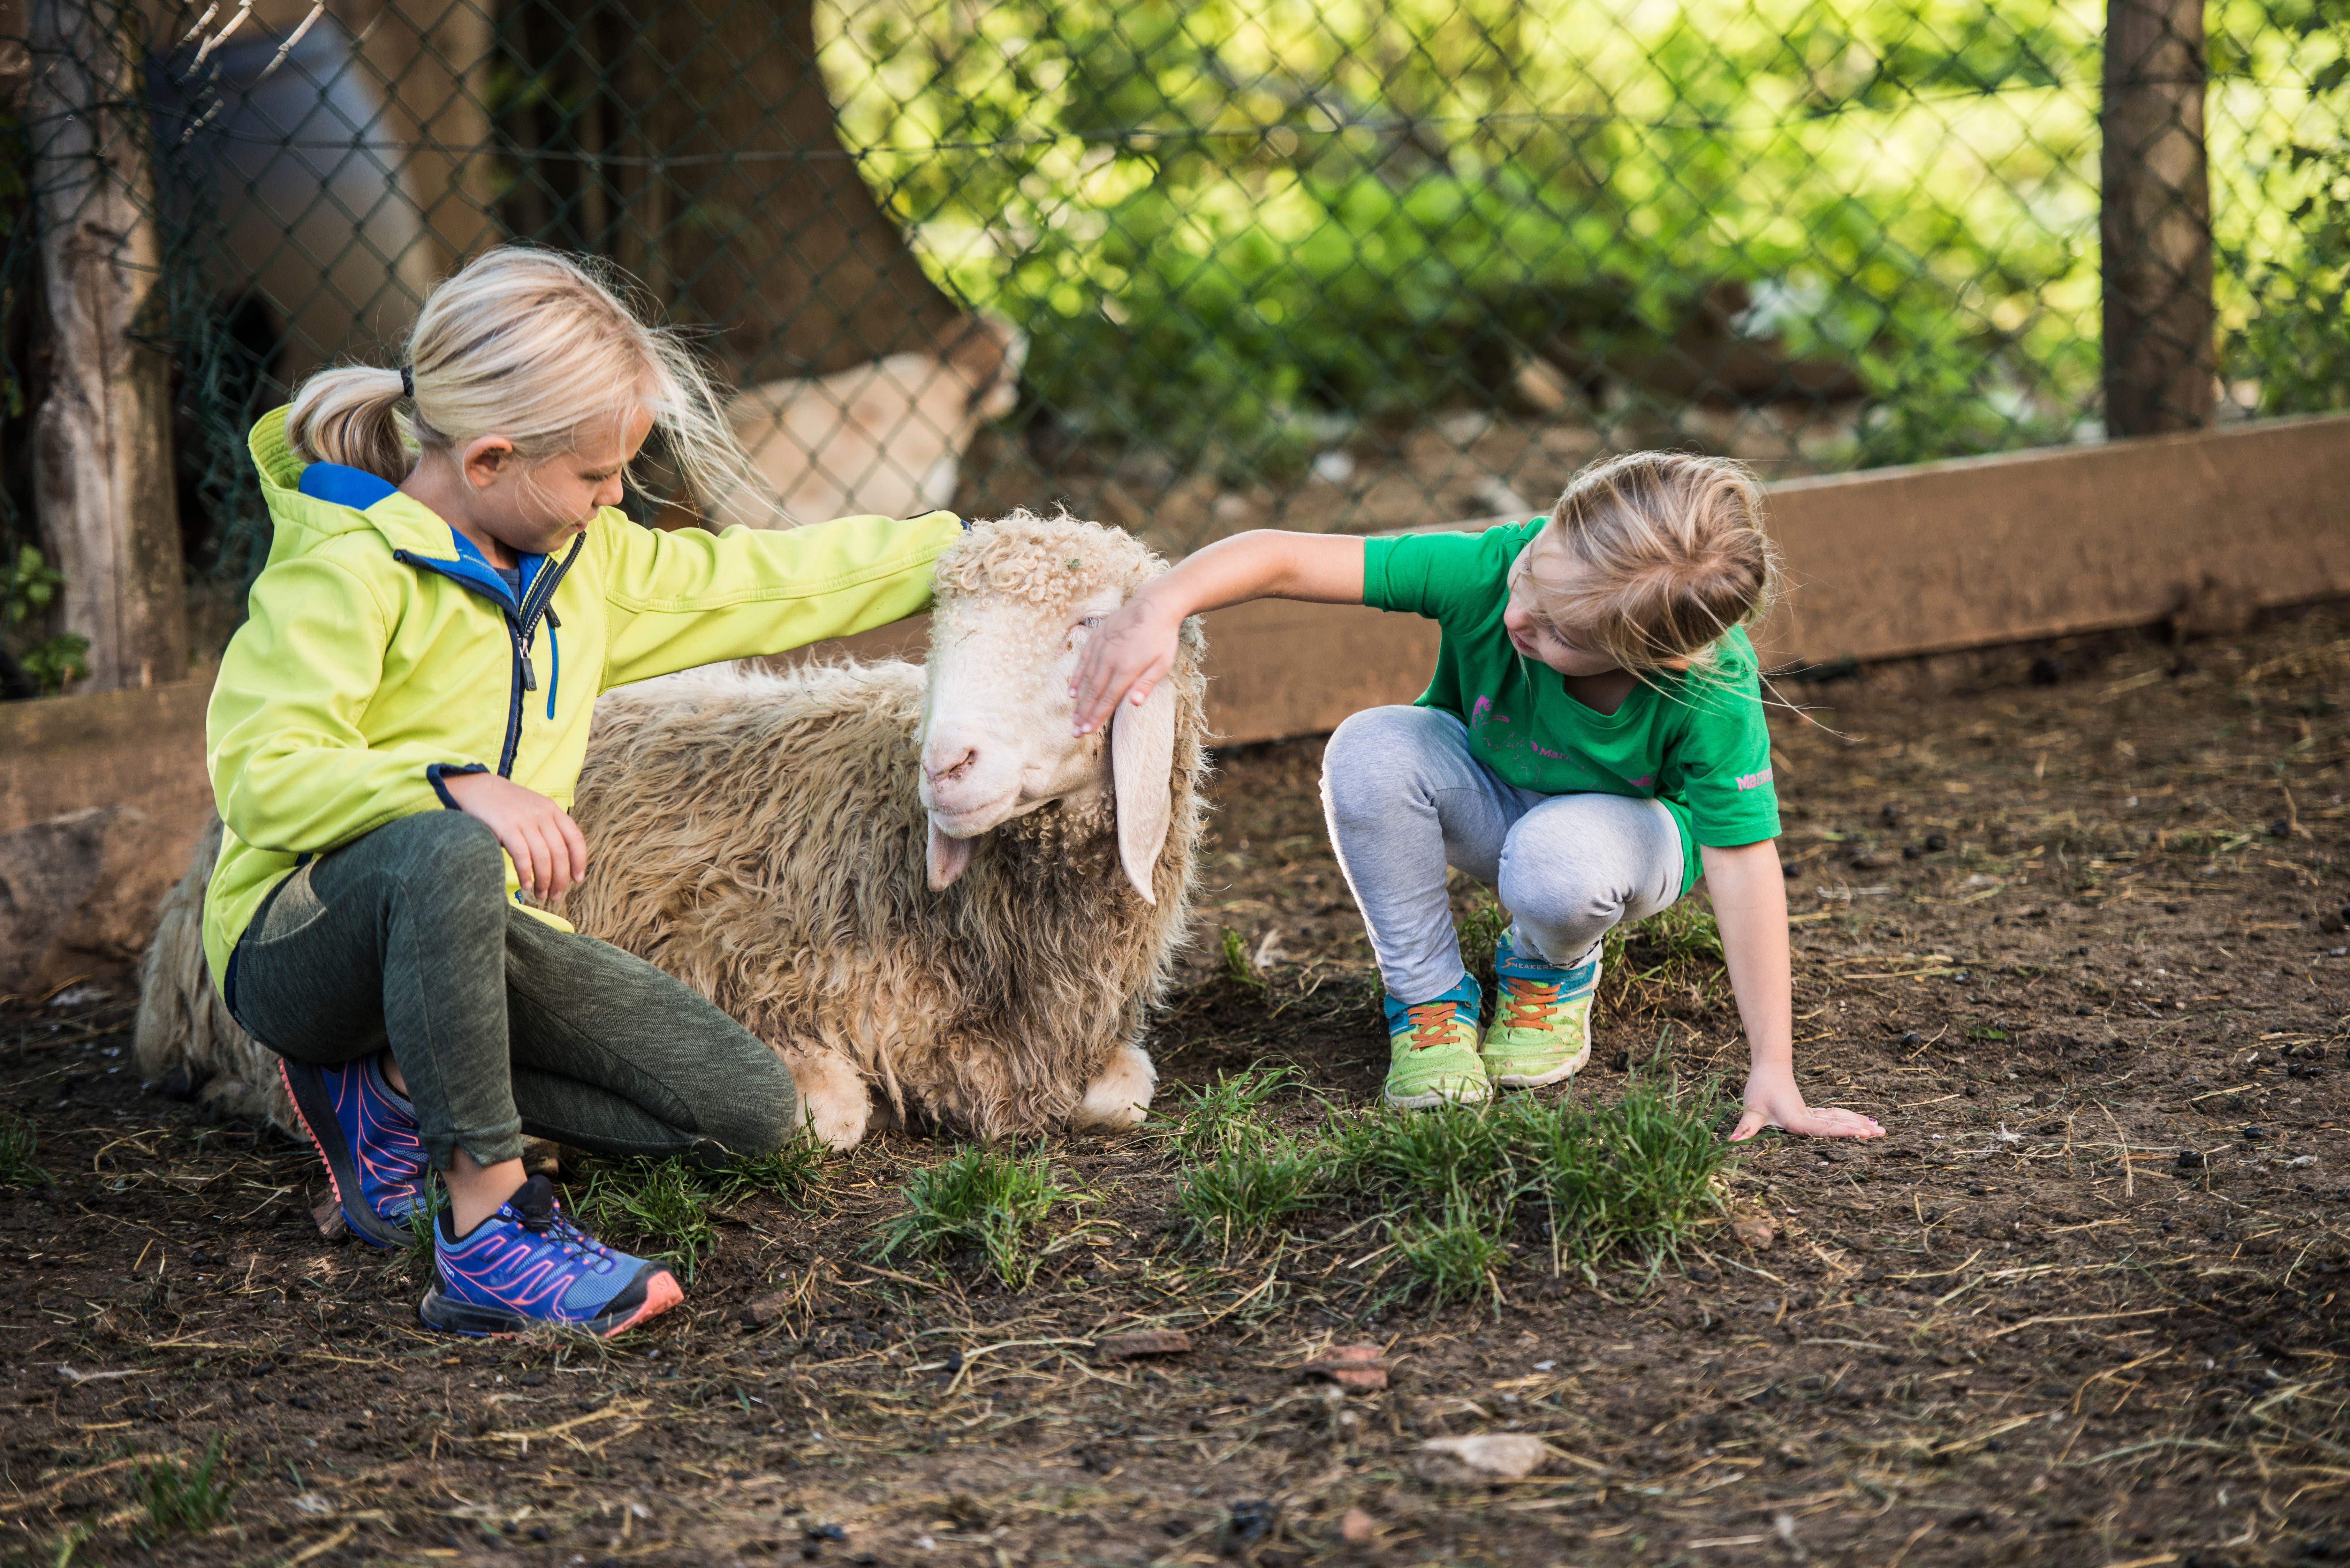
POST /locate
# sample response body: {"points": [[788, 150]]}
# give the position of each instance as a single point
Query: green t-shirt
{"points": [[1697, 742]]}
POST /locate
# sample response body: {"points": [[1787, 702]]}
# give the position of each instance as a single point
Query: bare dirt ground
{"points": [[2070, 928]]}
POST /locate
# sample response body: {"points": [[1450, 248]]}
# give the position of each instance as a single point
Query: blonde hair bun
{"points": [[1673, 555]]}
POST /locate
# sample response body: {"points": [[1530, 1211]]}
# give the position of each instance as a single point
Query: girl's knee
{"points": [[1381, 752], [1559, 902], [450, 844], [760, 1114]]}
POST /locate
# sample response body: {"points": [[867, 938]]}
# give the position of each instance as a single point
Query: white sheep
{"points": [[915, 885], [884, 438]]}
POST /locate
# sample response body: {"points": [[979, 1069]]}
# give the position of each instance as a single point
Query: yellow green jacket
{"points": [[382, 651]]}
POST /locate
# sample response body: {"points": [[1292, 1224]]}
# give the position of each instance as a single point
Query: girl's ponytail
{"points": [[351, 414]]}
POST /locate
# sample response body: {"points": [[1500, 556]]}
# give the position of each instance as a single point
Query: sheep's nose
{"points": [[968, 755]]}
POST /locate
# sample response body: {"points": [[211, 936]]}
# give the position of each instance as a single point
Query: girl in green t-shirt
{"points": [[1593, 739]]}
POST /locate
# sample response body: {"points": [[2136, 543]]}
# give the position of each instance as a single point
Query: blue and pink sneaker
{"points": [[527, 1267], [368, 1136]]}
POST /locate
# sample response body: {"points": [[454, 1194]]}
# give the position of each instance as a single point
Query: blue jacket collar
{"points": [[355, 487]]}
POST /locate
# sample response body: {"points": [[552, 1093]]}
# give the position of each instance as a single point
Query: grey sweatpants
{"points": [[501, 1023], [1406, 798]]}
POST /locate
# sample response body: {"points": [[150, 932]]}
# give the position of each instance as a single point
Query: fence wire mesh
{"points": [[1196, 267]]}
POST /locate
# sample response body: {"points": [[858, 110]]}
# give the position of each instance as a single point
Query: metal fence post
{"points": [[102, 451], [2156, 223]]}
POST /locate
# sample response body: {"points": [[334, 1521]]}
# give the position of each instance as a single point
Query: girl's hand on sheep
{"points": [[1130, 652], [548, 851]]}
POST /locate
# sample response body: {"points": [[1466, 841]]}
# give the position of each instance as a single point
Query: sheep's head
{"points": [[1015, 601]]}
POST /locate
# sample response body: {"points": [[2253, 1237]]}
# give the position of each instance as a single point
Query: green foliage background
{"points": [[1231, 226]]}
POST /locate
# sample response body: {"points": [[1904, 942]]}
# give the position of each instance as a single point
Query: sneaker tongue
{"points": [[534, 1203]]}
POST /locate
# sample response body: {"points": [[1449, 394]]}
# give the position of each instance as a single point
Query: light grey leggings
{"points": [[1405, 799]]}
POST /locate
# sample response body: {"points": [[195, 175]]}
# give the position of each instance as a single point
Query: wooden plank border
{"points": [[1887, 564]]}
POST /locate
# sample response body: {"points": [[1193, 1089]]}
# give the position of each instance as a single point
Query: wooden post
{"points": [[102, 443], [2156, 223]]}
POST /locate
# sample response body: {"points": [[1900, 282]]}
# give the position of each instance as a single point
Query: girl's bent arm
{"points": [[1135, 646], [1750, 904]]}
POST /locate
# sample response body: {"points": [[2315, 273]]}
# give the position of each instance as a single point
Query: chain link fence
{"points": [[1197, 267]]}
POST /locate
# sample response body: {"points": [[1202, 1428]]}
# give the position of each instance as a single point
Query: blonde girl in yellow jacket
{"points": [[397, 731]]}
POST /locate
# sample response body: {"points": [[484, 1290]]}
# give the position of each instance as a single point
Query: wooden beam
{"points": [[102, 453]]}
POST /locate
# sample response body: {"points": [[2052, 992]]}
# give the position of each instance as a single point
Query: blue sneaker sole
{"points": [[654, 1290], [312, 1104]]}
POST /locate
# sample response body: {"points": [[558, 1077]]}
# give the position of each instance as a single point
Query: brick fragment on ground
{"points": [[1754, 1231], [1359, 1367], [1144, 1342], [767, 1308]]}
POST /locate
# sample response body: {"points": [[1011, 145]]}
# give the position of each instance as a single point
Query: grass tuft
{"points": [[1238, 971], [18, 1143], [664, 1200], [1634, 1181], [986, 1198], [1446, 1156], [1223, 1115], [676, 1203], [1638, 1178], [417, 1258], [1676, 952], [1457, 1258], [179, 1498], [791, 1173], [1250, 1187]]}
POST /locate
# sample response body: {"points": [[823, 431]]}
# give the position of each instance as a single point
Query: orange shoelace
{"points": [[1529, 1001], [1432, 1021]]}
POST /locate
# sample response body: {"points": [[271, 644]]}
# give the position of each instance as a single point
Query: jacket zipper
{"points": [[520, 629]]}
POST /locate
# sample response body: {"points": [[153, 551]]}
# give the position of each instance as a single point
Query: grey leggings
{"points": [[501, 1023], [1406, 798]]}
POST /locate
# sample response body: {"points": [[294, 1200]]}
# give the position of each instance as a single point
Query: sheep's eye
{"points": [[1091, 622]]}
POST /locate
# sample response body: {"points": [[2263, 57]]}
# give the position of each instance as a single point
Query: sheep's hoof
{"points": [[1120, 1098], [836, 1120]]}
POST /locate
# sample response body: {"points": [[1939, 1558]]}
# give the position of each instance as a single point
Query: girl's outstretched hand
{"points": [[548, 851], [1773, 1100], [1130, 652]]}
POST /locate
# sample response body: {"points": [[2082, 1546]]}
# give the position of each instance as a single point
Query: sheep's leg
{"points": [[834, 1101], [1120, 1094]]}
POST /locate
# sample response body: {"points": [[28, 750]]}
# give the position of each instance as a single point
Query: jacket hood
{"points": [[403, 521]]}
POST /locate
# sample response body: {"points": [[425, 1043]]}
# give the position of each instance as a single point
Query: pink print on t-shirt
{"points": [[1483, 712]]}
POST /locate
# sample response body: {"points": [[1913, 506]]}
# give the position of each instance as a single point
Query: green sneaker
{"points": [[1542, 1019], [1434, 1047]]}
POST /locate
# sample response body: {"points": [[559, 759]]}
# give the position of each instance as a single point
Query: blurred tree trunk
{"points": [[2156, 225], [102, 441], [693, 142]]}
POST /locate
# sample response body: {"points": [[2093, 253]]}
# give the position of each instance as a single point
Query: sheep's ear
{"points": [[949, 857], [1142, 771]]}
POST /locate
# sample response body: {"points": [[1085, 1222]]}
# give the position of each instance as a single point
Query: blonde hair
{"points": [[1673, 552], [531, 345]]}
